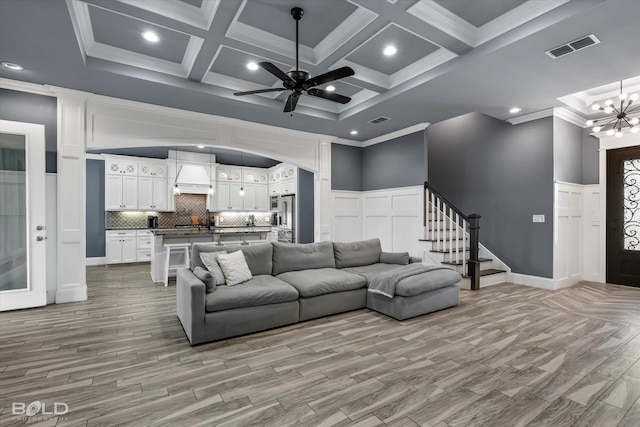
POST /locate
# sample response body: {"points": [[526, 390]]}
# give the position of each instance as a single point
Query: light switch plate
{"points": [[538, 218]]}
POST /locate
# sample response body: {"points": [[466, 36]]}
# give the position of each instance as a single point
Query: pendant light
{"points": [[176, 189], [241, 178], [211, 190]]}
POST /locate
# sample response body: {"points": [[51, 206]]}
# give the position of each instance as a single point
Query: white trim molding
{"points": [[94, 261], [396, 134], [20, 86], [559, 112]]}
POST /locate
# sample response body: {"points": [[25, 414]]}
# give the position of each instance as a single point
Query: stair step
{"points": [[460, 262], [446, 251], [434, 240], [490, 271]]}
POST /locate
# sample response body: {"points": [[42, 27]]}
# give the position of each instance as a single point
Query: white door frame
{"points": [[36, 293]]}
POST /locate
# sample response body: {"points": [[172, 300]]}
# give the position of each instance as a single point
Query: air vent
{"points": [[573, 46], [378, 120]]}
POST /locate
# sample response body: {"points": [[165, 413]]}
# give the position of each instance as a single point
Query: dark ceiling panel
{"points": [[410, 49], [123, 32], [478, 13], [233, 63], [274, 16]]}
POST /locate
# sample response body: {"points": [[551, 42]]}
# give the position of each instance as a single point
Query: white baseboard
{"points": [[96, 261], [534, 281], [72, 293]]}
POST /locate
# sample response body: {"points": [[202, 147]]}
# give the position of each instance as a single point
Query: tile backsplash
{"points": [[187, 205], [240, 219]]}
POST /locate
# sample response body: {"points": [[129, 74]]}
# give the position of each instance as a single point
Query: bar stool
{"points": [[175, 248]]}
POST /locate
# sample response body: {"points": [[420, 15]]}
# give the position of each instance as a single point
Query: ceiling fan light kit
{"points": [[298, 81]]}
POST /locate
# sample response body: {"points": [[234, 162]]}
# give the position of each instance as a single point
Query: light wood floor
{"points": [[506, 356]]}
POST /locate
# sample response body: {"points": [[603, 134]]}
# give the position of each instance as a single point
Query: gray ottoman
{"points": [[416, 295]]}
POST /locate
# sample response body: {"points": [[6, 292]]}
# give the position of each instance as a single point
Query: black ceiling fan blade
{"points": [[276, 72], [330, 76], [335, 97], [251, 92], [291, 103]]}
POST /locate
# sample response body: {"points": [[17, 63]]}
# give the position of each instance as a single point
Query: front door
{"points": [[22, 216], [623, 216]]}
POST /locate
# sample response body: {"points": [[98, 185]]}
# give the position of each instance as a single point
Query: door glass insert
{"points": [[631, 226], [13, 213]]}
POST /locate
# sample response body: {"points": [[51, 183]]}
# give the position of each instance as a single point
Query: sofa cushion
{"points": [[321, 281], [261, 290], [258, 257], [353, 254], [369, 271], [234, 267], [206, 277], [296, 256], [400, 258], [426, 282]]}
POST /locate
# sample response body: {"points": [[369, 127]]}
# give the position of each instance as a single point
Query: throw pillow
{"points": [[206, 277], [209, 260], [234, 267]]}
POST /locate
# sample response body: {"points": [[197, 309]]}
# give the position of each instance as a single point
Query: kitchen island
{"points": [[222, 236]]}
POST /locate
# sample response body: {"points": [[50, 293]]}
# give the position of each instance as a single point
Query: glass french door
{"points": [[22, 216]]}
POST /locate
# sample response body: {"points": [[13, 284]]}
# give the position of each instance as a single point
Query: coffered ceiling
{"points": [[453, 56]]}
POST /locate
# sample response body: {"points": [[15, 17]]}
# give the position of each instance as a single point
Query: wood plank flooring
{"points": [[508, 355]]}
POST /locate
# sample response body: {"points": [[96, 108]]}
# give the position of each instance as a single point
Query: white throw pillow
{"points": [[235, 268], [209, 259]]}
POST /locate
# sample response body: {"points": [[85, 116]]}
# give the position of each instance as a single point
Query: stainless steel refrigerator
{"points": [[287, 218]]}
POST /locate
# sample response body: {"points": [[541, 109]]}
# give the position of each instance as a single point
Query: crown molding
{"points": [[20, 86], [570, 116], [531, 116], [344, 141], [395, 134]]}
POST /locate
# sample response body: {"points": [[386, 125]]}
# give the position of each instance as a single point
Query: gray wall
{"points": [[590, 158], [346, 167], [305, 206], [31, 108], [95, 209], [567, 151], [395, 163], [503, 173]]}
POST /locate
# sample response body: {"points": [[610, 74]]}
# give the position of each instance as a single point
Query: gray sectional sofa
{"points": [[297, 282]]}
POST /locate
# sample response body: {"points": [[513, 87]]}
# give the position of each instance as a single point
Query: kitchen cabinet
{"points": [[228, 196], [121, 246], [121, 192], [121, 166], [256, 197], [144, 243], [224, 173], [154, 169], [255, 176], [152, 193]]}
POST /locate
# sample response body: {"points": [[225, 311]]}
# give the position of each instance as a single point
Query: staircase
{"points": [[451, 238]]}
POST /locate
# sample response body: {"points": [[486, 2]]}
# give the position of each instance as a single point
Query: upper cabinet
{"points": [[157, 169], [121, 166], [283, 179]]}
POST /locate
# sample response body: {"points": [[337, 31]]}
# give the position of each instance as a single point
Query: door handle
{"points": [[40, 227], [40, 238]]}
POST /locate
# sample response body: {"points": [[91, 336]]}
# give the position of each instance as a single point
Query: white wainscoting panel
{"points": [[593, 248], [568, 234], [346, 216], [392, 215]]}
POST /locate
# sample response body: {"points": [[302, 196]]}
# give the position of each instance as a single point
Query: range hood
{"points": [[192, 179]]}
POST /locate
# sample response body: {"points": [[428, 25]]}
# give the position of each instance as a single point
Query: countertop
{"points": [[206, 231]]}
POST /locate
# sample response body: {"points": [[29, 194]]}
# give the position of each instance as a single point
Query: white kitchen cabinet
{"points": [[255, 176], [144, 243], [288, 186], [228, 196], [121, 246], [121, 166], [154, 169], [152, 193], [224, 173], [121, 192], [256, 197]]}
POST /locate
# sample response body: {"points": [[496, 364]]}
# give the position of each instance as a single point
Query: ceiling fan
{"points": [[298, 81]]}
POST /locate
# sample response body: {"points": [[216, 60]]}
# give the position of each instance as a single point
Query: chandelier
{"points": [[619, 117]]}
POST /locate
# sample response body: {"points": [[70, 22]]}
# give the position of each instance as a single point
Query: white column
{"points": [[72, 283], [322, 194]]}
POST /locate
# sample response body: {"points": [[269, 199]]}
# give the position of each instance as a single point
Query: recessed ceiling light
{"points": [[12, 66], [331, 88], [390, 50], [201, 146], [354, 132], [515, 110], [150, 36], [252, 66]]}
